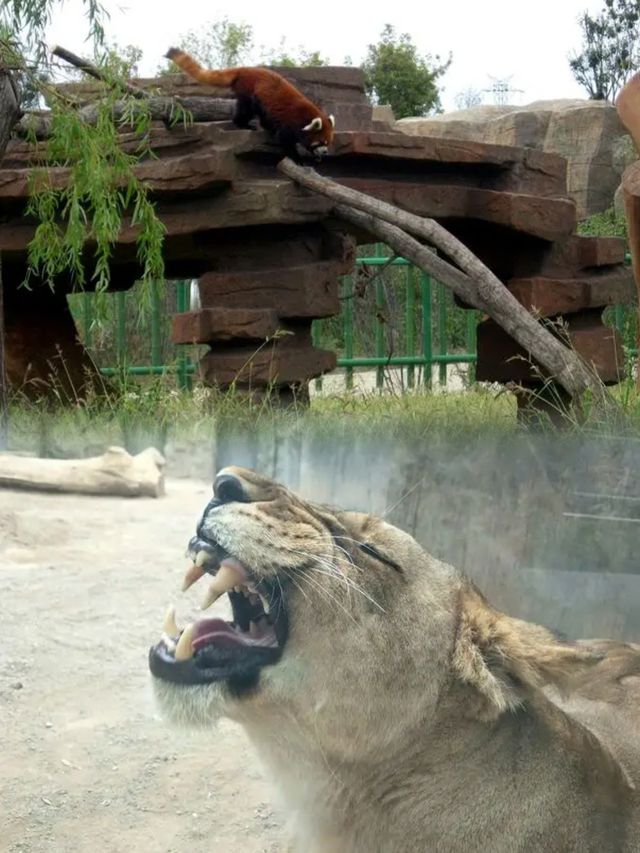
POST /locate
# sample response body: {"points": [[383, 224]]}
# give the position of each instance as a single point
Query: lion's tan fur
{"points": [[407, 714]]}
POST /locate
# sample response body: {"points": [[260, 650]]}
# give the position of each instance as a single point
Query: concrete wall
{"points": [[549, 529]]}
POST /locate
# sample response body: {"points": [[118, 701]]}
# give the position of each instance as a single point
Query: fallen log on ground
{"points": [[472, 281], [116, 472]]}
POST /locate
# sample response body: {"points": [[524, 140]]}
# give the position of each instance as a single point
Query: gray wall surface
{"points": [[547, 527]]}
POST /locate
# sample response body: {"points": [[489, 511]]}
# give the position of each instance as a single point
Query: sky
{"points": [[526, 43]]}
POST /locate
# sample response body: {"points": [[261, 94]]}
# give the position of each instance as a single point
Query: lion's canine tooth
{"points": [[226, 578], [201, 558], [169, 642], [264, 601], [193, 574], [170, 627], [184, 651]]}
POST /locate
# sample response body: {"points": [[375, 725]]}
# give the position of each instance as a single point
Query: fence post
{"points": [[347, 319], [442, 333], [156, 354], [184, 379], [427, 343], [380, 304], [121, 327], [472, 341], [315, 338], [87, 319], [409, 322]]}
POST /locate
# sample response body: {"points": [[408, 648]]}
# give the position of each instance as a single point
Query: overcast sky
{"points": [[526, 42]]}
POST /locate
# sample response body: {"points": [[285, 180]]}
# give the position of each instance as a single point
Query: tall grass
{"points": [[156, 413]]}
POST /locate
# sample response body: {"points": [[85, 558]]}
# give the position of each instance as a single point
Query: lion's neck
{"points": [[468, 780]]}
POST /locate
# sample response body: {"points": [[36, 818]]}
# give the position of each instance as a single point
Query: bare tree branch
{"points": [[93, 71], [476, 284]]}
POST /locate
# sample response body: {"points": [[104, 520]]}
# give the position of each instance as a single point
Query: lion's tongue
{"points": [[206, 631]]}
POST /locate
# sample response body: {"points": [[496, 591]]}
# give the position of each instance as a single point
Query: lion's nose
{"points": [[228, 488]]}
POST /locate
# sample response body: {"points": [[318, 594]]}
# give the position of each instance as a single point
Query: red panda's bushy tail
{"points": [[203, 75]]}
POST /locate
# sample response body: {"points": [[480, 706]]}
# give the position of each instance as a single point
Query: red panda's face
{"points": [[318, 135]]}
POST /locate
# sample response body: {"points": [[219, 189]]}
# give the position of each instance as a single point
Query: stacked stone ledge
{"points": [[269, 255]]}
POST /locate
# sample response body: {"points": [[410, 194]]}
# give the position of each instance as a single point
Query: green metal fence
{"points": [[394, 318], [425, 315]]}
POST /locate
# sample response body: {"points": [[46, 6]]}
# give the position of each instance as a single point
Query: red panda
{"points": [[281, 109]]}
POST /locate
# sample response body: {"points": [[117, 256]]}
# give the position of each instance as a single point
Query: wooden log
{"points": [[116, 472], [160, 109]]}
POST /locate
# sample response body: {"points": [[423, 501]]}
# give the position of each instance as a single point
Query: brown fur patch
{"points": [[504, 658]]}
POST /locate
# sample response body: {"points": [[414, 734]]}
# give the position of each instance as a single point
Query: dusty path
{"points": [[85, 765]]}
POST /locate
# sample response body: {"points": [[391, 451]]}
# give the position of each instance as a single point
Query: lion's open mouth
{"points": [[213, 649]]}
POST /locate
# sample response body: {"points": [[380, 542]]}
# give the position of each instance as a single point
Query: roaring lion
{"points": [[395, 709]]}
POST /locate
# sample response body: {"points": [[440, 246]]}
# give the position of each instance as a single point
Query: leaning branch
{"points": [[473, 281], [93, 71]]}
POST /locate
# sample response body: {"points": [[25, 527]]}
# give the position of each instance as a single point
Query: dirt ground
{"points": [[85, 763]]}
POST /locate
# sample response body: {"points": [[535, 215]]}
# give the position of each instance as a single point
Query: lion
{"points": [[394, 708]]}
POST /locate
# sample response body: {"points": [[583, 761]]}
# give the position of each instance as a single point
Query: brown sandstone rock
{"points": [[549, 297], [298, 291], [588, 134], [260, 368], [223, 324], [500, 359]]}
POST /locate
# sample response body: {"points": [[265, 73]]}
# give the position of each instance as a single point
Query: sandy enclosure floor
{"points": [[85, 763]]}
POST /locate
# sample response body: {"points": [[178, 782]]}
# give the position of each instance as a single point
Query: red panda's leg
{"points": [[287, 138], [244, 113]]}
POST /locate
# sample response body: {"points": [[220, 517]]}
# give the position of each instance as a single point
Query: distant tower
{"points": [[501, 90]]}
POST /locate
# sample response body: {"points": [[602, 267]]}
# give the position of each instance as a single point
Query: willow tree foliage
{"points": [[102, 190]]}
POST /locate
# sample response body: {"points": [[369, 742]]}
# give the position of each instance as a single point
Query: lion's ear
{"points": [[506, 658]]}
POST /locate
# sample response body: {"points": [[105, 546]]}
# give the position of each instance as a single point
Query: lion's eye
{"points": [[372, 551]]}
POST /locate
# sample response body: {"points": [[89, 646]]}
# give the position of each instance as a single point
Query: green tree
{"points": [[396, 74], [220, 44], [287, 57], [610, 49]]}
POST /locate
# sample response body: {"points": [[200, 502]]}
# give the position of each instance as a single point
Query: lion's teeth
{"points": [[193, 574], [169, 642], [201, 558], [170, 627], [184, 649], [265, 603], [228, 576], [212, 594]]}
